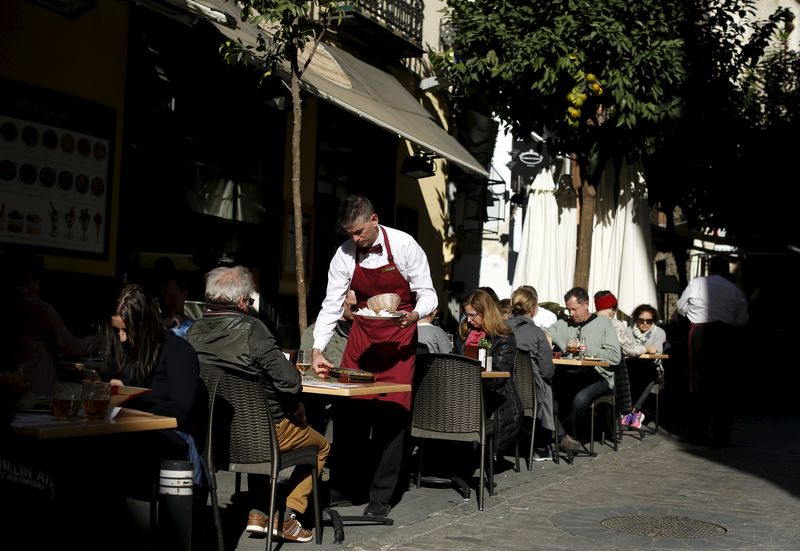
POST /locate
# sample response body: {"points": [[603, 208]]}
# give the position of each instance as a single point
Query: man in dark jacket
{"points": [[230, 338]]}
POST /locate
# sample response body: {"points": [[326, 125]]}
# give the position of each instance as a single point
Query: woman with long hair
{"points": [[484, 326], [143, 353]]}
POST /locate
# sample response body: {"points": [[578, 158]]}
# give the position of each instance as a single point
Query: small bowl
{"points": [[386, 301]]}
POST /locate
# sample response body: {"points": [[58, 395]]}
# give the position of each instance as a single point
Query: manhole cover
{"points": [[668, 526]]}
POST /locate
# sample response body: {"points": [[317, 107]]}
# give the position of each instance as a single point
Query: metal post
{"points": [[175, 506]]}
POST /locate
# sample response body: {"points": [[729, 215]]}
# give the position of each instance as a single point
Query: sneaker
{"points": [[292, 530], [627, 419], [638, 419], [543, 454], [257, 522]]}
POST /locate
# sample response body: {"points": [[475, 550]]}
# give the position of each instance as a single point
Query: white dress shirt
{"points": [[713, 298], [411, 262]]}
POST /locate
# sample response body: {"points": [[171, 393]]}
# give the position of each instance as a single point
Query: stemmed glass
{"points": [[303, 361], [572, 348]]}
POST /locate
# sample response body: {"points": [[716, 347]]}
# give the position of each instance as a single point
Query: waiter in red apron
{"points": [[369, 431]]}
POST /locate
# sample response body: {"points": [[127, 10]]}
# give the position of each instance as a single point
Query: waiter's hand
{"points": [[319, 364], [409, 318]]}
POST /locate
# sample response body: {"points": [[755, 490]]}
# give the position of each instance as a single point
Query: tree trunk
{"points": [[297, 200], [588, 206]]}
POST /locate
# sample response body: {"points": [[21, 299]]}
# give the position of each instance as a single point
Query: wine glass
{"points": [[303, 361], [572, 348]]}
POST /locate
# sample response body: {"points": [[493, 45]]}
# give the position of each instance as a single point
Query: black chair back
{"points": [[449, 405], [525, 384], [241, 438]]}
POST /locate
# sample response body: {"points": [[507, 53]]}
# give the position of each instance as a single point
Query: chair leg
{"points": [[317, 511], [215, 508], [614, 422], [490, 484], [516, 455], [591, 432], [272, 515], [533, 438], [658, 393], [419, 468], [481, 475]]}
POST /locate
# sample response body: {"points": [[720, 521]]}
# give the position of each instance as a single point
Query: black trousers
{"points": [[368, 449], [715, 378]]}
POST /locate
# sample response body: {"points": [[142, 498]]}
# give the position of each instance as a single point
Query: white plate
{"points": [[385, 316]]}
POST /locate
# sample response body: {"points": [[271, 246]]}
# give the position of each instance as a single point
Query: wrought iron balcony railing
{"points": [[402, 17]]}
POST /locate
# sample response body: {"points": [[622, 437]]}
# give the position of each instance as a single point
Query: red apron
{"points": [[378, 345]]}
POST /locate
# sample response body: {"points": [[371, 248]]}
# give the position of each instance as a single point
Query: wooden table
{"points": [[495, 374], [654, 356], [335, 388], [43, 426]]}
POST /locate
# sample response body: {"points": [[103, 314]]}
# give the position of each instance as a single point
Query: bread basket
{"points": [[386, 301]]}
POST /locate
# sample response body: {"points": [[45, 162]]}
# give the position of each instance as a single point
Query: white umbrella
{"points": [[621, 242], [549, 237]]}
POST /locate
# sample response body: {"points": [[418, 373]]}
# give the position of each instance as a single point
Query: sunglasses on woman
{"points": [[645, 321]]}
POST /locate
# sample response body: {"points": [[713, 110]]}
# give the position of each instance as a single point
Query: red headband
{"points": [[606, 301]]}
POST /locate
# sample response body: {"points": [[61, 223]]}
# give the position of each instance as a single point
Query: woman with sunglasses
{"points": [[483, 324], [644, 373]]}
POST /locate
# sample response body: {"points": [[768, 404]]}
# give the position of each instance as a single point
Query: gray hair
{"points": [[579, 293], [355, 209], [227, 285]]}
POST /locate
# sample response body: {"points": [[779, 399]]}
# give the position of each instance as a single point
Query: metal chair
{"points": [[526, 389], [241, 439], [619, 399], [448, 405]]}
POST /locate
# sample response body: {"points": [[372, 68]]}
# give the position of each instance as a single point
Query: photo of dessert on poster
{"points": [[53, 186]]}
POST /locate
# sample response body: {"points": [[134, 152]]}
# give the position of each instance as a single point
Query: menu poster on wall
{"points": [[55, 170]]}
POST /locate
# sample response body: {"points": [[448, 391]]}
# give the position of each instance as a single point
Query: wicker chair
{"points": [[524, 382], [448, 405], [241, 438]]}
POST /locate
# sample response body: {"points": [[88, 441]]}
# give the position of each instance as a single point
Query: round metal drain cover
{"points": [[668, 526]]}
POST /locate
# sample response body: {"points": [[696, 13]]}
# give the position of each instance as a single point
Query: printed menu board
{"points": [[55, 170]]}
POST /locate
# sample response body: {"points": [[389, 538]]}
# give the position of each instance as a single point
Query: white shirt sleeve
{"points": [[412, 262], [340, 273]]}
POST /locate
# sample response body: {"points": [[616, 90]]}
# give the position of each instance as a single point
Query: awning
{"points": [[358, 87]]}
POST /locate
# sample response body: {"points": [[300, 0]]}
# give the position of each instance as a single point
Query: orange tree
{"points": [[601, 79]]}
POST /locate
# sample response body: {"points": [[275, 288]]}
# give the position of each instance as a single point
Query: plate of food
{"points": [[352, 375], [388, 315]]}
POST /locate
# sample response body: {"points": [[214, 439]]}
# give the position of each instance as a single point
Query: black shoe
{"points": [[339, 500], [377, 509]]}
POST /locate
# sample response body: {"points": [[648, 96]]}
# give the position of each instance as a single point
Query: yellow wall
{"points": [[83, 57]]}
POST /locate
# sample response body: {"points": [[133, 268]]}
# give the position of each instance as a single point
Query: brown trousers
{"points": [[291, 436]]}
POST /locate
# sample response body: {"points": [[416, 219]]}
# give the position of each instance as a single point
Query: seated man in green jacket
{"points": [[598, 339]]}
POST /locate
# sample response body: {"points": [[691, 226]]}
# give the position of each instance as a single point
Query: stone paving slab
{"points": [[752, 490]]}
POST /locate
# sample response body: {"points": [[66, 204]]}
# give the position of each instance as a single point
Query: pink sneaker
{"points": [[627, 419], [638, 419]]}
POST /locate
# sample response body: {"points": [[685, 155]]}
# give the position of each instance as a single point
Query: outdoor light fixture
{"points": [[418, 166]]}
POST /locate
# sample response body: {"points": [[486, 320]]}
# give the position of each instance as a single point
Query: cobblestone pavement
{"points": [[657, 493]]}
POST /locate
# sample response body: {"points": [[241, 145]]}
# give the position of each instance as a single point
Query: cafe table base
{"points": [[336, 520]]}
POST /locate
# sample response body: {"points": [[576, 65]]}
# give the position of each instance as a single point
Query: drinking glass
{"points": [[303, 361], [66, 400], [96, 398], [572, 348]]}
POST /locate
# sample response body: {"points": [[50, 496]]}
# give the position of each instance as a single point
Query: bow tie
{"points": [[378, 249]]}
